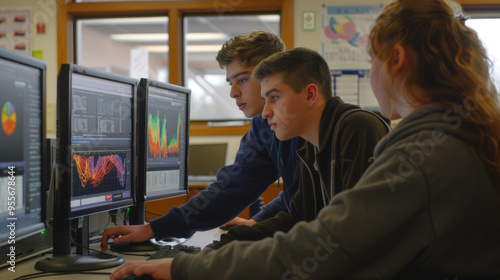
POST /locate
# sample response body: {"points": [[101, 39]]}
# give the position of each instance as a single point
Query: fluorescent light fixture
{"points": [[163, 37], [142, 37], [269, 18], [155, 49], [203, 48], [207, 36], [190, 49], [125, 21]]}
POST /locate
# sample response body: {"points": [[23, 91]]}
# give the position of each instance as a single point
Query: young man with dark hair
{"points": [[341, 137], [260, 161], [296, 87]]}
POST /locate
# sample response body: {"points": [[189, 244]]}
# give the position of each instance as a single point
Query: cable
{"points": [[49, 274], [154, 214]]}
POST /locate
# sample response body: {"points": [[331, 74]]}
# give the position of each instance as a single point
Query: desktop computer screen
{"points": [[163, 139], [95, 157], [96, 140], [163, 126], [22, 172]]}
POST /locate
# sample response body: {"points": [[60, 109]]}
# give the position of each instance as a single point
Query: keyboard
{"points": [[172, 251]]}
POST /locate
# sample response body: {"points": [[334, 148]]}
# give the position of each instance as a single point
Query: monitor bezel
{"points": [[142, 106], [31, 240], [41, 66], [64, 128]]}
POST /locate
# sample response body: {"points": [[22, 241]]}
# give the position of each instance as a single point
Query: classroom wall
{"points": [[43, 11]]}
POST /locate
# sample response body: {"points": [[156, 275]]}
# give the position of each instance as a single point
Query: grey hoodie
{"points": [[425, 209]]}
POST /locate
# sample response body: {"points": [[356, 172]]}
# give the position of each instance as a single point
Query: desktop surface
{"points": [[26, 267]]}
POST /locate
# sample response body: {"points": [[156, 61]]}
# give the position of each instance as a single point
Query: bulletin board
{"points": [[344, 41], [15, 30]]}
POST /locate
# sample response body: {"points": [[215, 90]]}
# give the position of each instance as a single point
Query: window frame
{"points": [[175, 10]]}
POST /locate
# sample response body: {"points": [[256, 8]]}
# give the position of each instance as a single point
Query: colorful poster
{"points": [[345, 33], [15, 30], [353, 86], [344, 42]]}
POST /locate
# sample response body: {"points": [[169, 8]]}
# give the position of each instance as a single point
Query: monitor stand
{"points": [[64, 260]]}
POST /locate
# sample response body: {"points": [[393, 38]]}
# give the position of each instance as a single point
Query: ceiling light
{"points": [[203, 48], [124, 21], [269, 18], [207, 36], [163, 37], [141, 37], [155, 49], [190, 49]]}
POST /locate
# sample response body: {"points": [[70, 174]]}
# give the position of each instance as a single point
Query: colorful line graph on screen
{"points": [[160, 146], [94, 175]]}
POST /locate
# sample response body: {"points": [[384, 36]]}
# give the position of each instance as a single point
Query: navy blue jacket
{"points": [[239, 185]]}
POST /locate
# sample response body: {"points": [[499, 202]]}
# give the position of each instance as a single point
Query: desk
{"points": [[199, 239]]}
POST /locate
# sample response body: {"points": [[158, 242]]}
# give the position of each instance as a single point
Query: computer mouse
{"points": [[142, 277], [172, 241]]}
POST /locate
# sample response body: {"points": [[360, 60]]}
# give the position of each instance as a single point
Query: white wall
{"points": [[43, 11]]}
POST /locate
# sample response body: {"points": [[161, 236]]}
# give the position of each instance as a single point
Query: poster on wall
{"points": [[354, 87], [15, 31], [344, 41]]}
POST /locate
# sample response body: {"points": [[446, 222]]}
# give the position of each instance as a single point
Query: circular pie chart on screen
{"points": [[8, 118]]}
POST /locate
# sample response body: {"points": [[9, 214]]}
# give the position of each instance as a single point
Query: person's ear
{"points": [[312, 93], [400, 58]]}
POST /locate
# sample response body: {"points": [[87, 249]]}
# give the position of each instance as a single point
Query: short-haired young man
{"points": [[296, 86], [260, 161]]}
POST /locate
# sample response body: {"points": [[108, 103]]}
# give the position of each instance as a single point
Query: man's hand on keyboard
{"points": [[138, 233]]}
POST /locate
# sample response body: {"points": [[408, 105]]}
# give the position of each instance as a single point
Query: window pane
{"points": [[135, 47], [487, 29], [205, 35]]}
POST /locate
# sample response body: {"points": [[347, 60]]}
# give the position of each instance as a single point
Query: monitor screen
{"points": [[96, 140], [22, 136], [95, 160], [163, 139]]}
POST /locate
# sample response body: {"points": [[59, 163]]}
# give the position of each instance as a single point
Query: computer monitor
{"points": [[163, 125], [205, 160], [22, 169], [95, 159]]}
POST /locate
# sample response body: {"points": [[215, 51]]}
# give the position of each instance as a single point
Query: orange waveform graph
{"points": [[159, 145], [94, 175]]}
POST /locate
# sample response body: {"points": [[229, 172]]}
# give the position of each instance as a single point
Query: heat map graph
{"points": [[161, 143], [94, 173]]}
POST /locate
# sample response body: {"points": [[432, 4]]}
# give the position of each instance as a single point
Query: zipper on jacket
{"points": [[313, 186]]}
